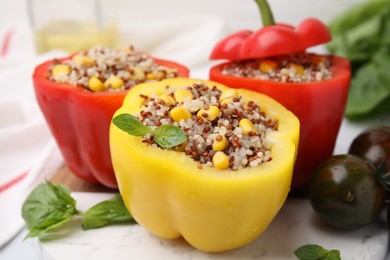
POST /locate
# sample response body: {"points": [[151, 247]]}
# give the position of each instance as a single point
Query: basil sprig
{"points": [[47, 207], [50, 206], [316, 252], [107, 212], [166, 136], [131, 125]]}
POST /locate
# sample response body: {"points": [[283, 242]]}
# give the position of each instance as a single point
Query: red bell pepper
{"points": [[79, 121], [271, 40], [319, 105]]}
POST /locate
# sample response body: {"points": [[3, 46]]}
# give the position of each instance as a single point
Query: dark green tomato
{"points": [[373, 144], [344, 192]]}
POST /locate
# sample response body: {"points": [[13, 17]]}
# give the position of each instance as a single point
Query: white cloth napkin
{"points": [[25, 141]]}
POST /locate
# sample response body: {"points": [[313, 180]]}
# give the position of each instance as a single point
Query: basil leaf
{"points": [[311, 252], [370, 86], [47, 207], [356, 33], [131, 125], [333, 255], [362, 34], [356, 15], [316, 252], [168, 136], [105, 213]]}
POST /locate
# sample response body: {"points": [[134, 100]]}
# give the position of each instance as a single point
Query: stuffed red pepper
{"points": [[273, 60], [78, 96]]}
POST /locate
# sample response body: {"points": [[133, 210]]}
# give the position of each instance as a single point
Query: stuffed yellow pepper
{"points": [[197, 159]]}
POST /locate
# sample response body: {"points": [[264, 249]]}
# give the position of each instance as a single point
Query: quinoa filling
{"points": [[297, 67], [223, 130], [109, 69]]}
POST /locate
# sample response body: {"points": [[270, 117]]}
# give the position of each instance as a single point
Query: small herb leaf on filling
{"points": [[131, 125], [167, 136]]}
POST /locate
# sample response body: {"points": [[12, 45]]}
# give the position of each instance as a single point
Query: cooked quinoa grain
{"points": [[298, 67], [223, 130], [108, 69]]}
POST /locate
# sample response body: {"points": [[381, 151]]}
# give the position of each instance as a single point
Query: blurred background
{"points": [[184, 30]]}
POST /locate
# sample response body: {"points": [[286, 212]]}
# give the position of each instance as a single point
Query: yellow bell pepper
{"points": [[214, 210]]}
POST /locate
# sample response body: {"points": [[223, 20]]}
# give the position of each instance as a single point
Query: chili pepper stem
{"points": [[266, 13]]}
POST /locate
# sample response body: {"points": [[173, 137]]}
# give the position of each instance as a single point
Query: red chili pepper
{"points": [[271, 40], [79, 121], [319, 105]]}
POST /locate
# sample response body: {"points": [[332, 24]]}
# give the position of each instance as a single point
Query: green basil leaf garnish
{"points": [[131, 125], [334, 255], [316, 252], [168, 136], [48, 206], [105, 213]]}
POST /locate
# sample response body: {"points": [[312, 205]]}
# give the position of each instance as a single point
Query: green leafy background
{"points": [[362, 34]]}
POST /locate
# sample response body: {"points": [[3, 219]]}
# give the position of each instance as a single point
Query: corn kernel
{"points": [[168, 99], [114, 81], [220, 160], [95, 84], [210, 114], [245, 105], [297, 68], [83, 60], [181, 147], [247, 126], [179, 113], [138, 74], [267, 65], [183, 95], [219, 142], [229, 94], [154, 76], [60, 71]]}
